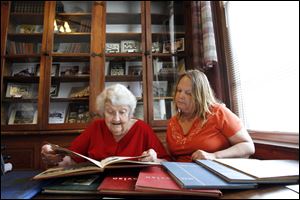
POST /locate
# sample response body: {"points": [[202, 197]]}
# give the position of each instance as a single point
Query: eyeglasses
{"points": [[114, 113]]}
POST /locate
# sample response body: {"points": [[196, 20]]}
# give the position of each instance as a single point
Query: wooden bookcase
{"points": [[56, 57]]}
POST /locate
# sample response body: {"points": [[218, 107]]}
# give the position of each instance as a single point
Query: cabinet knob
{"points": [[96, 54], [101, 3], [147, 53], [46, 54]]}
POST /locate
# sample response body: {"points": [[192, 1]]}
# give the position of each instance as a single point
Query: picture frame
{"points": [[17, 90], [130, 46], [178, 46], [54, 90], [135, 70], [19, 116], [159, 110], [78, 113], [25, 71], [69, 70], [54, 69], [57, 113], [79, 92], [156, 47], [112, 47], [117, 68], [160, 88]]}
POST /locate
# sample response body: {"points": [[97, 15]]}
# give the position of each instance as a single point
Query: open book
{"points": [[93, 166]]}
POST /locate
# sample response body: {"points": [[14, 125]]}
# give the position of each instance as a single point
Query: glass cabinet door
{"points": [[19, 104], [124, 47], [70, 63], [168, 55]]}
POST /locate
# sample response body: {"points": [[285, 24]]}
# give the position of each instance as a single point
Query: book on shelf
{"points": [[156, 179], [85, 184], [254, 170], [193, 176], [93, 166]]}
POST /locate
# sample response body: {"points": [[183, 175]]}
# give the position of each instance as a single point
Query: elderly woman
{"points": [[118, 134]]}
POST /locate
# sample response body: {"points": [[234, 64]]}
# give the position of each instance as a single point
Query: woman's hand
{"points": [[151, 156], [49, 156], [203, 155]]}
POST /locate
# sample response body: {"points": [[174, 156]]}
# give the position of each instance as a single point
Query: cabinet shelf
{"points": [[21, 79], [127, 78], [71, 100], [28, 37], [19, 100], [56, 79], [18, 58]]}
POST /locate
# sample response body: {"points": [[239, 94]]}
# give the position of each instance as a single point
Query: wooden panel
{"points": [[267, 151]]}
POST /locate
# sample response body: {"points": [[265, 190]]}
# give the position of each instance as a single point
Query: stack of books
{"points": [[235, 173], [199, 178]]}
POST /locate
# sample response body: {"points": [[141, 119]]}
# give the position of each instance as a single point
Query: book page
{"points": [[62, 150], [119, 159]]}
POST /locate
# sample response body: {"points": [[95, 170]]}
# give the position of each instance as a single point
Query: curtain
{"points": [[207, 36]]}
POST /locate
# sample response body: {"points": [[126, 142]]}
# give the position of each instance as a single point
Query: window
{"points": [[264, 41]]}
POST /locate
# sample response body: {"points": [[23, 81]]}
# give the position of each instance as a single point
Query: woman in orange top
{"points": [[204, 128]]}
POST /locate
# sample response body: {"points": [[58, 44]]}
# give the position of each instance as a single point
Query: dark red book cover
{"points": [[120, 182], [156, 179]]}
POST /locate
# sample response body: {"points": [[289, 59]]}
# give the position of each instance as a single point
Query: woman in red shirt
{"points": [[204, 128], [118, 134]]}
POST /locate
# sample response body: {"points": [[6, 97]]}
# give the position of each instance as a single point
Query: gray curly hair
{"points": [[117, 94]]}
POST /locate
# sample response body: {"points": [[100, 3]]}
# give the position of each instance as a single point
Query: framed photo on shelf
{"points": [[57, 113], [78, 113], [27, 70], [135, 70], [69, 70], [54, 90], [54, 70], [159, 109], [15, 90], [156, 47], [79, 92], [176, 46], [23, 117], [160, 88], [130, 46], [112, 48], [117, 68]]}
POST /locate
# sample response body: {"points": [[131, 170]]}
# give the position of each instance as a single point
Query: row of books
{"points": [[23, 48], [27, 7], [73, 48]]}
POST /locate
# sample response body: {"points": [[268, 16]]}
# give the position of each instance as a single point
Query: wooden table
{"points": [[262, 192]]}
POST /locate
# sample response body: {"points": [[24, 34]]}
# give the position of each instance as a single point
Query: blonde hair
{"points": [[202, 93], [117, 94]]}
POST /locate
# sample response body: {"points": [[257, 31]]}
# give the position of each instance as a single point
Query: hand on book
{"points": [[55, 158], [149, 156], [49, 156], [203, 155]]}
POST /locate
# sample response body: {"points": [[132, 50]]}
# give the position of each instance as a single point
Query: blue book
{"points": [[193, 176], [19, 185], [228, 174]]}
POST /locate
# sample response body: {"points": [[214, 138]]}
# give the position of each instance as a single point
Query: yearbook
{"points": [[156, 179], [193, 176], [93, 166]]}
